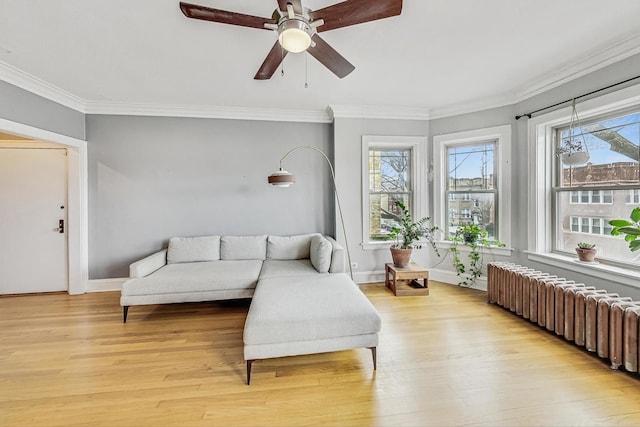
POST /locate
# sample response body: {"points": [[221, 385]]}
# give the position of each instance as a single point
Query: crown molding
{"points": [[26, 81], [377, 112], [208, 112], [472, 107], [599, 58]]}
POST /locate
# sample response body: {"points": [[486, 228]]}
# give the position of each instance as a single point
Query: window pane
{"points": [[584, 228], [383, 213], [389, 170], [576, 220], [471, 167], [575, 196], [613, 152], [595, 196], [584, 197], [477, 208]]}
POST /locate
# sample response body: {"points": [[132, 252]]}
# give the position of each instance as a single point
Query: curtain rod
{"points": [[528, 115]]}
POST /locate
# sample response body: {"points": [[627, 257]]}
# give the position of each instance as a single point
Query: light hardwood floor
{"points": [[444, 359]]}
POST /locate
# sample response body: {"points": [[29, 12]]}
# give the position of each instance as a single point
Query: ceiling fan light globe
{"points": [[294, 35]]}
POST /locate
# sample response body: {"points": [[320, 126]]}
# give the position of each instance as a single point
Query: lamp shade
{"points": [[282, 178], [294, 35]]}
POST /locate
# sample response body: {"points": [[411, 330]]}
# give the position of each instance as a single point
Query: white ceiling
{"points": [[437, 56]]}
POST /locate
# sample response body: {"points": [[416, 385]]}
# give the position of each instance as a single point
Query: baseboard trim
{"points": [[105, 285]]}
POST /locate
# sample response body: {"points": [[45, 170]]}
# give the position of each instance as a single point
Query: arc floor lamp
{"points": [[283, 178]]}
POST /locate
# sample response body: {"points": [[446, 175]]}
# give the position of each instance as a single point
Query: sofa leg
{"points": [[249, 362], [125, 311], [373, 354]]}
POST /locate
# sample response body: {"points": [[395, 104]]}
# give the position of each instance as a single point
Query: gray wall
{"points": [[151, 178], [21, 106]]}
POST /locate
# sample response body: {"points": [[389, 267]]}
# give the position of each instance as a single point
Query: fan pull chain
{"points": [[306, 71], [282, 60]]}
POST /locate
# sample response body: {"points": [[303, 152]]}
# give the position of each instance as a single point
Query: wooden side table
{"points": [[404, 281]]}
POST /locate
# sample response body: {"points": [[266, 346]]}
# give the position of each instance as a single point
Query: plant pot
{"points": [[469, 238], [575, 158], [586, 255], [401, 257]]}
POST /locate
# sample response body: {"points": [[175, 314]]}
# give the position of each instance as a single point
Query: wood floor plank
{"points": [[444, 359]]}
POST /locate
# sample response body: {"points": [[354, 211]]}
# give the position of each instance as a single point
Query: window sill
{"points": [[494, 250], [621, 275]]}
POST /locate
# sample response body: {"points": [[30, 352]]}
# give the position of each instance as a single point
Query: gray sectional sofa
{"points": [[303, 302]]}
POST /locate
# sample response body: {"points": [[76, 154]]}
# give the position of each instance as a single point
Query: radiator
{"points": [[604, 323]]}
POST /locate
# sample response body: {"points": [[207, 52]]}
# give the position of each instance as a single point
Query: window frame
{"points": [[502, 166], [417, 178], [541, 180]]}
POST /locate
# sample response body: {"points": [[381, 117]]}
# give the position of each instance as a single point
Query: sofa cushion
{"points": [[243, 247], [193, 249], [196, 277], [287, 268], [289, 247], [309, 308], [320, 253]]}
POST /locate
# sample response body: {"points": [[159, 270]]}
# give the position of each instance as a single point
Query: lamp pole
{"points": [[335, 188]]}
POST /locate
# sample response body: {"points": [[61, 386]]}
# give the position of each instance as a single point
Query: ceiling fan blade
{"points": [[330, 58], [271, 62], [352, 12], [204, 13], [297, 6]]}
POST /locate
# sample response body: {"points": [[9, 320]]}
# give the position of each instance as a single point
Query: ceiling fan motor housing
{"points": [[294, 35]]}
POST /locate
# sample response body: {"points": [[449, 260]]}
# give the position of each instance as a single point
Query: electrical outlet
{"points": [[354, 265]]}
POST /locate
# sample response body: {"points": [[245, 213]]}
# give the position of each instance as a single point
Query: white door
{"points": [[33, 251]]}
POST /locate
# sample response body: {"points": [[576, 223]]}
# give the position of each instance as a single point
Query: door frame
{"points": [[77, 199]]}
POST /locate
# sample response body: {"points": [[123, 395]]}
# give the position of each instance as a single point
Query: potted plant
{"points": [[474, 238], [586, 252], [631, 229], [408, 233]]}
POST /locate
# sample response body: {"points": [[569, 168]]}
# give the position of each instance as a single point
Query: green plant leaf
{"points": [[630, 237], [620, 223], [635, 215], [635, 245], [630, 230]]}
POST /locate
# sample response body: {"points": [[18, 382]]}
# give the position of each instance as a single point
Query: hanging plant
{"points": [[573, 148], [474, 238]]}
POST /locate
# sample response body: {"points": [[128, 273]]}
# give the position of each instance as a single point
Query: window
{"points": [[612, 143], [390, 173], [471, 172], [568, 201]]}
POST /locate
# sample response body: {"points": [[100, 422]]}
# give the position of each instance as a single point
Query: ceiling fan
{"points": [[298, 28]]}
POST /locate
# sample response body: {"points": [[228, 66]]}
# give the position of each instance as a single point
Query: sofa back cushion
{"points": [[289, 247], [243, 247], [320, 252], [193, 249]]}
